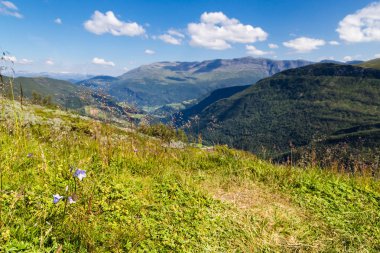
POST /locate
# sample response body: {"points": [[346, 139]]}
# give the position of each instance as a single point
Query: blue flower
{"points": [[80, 174], [57, 198], [71, 200]]}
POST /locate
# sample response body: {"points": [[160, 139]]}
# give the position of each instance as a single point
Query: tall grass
{"points": [[141, 195]]}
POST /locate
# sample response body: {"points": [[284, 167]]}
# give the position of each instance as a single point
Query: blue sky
{"points": [[110, 37]]}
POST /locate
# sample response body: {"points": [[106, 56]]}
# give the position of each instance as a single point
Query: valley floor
{"points": [[140, 195]]}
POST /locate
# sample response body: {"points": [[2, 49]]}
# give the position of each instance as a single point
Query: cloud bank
{"points": [[362, 26], [108, 23], [304, 44], [216, 31]]}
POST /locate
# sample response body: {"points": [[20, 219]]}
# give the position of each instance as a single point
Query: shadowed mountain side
{"points": [[214, 96], [295, 106]]}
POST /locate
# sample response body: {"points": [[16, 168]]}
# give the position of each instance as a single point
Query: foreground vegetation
{"points": [[143, 194]]}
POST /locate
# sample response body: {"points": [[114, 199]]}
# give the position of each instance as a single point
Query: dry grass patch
{"points": [[269, 219]]}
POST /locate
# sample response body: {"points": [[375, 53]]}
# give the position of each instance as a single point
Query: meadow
{"points": [[74, 184]]}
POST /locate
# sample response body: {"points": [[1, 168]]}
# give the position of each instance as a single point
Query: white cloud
{"points": [[25, 61], [149, 51], [10, 9], [272, 46], [217, 31], [126, 69], [100, 61], [9, 5], [108, 23], [49, 62], [334, 43], [362, 26], [58, 21], [347, 58], [176, 33], [304, 44], [252, 50], [377, 55], [172, 37]]}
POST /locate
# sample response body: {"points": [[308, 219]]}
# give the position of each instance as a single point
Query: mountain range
{"points": [[162, 83], [65, 76]]}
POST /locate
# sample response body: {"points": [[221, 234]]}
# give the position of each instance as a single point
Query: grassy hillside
{"points": [[375, 64], [294, 108], [142, 194], [47, 91], [62, 93]]}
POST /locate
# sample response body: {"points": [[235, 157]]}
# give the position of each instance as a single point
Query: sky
{"points": [[112, 37]]}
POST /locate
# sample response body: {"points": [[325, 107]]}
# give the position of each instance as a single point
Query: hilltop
{"points": [[375, 64]]}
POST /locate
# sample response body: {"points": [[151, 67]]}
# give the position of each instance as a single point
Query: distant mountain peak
{"points": [[167, 82]]}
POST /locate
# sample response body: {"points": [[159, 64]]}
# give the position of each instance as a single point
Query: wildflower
{"points": [[135, 150], [30, 155], [71, 200], [80, 174], [57, 198]]}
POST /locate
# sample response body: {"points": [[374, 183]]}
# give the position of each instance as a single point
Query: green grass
{"points": [[141, 196]]}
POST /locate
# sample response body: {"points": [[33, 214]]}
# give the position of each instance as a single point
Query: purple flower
{"points": [[71, 200], [80, 174], [30, 155], [57, 198]]}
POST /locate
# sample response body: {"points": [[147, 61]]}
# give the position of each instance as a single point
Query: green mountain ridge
{"points": [[296, 106]]}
